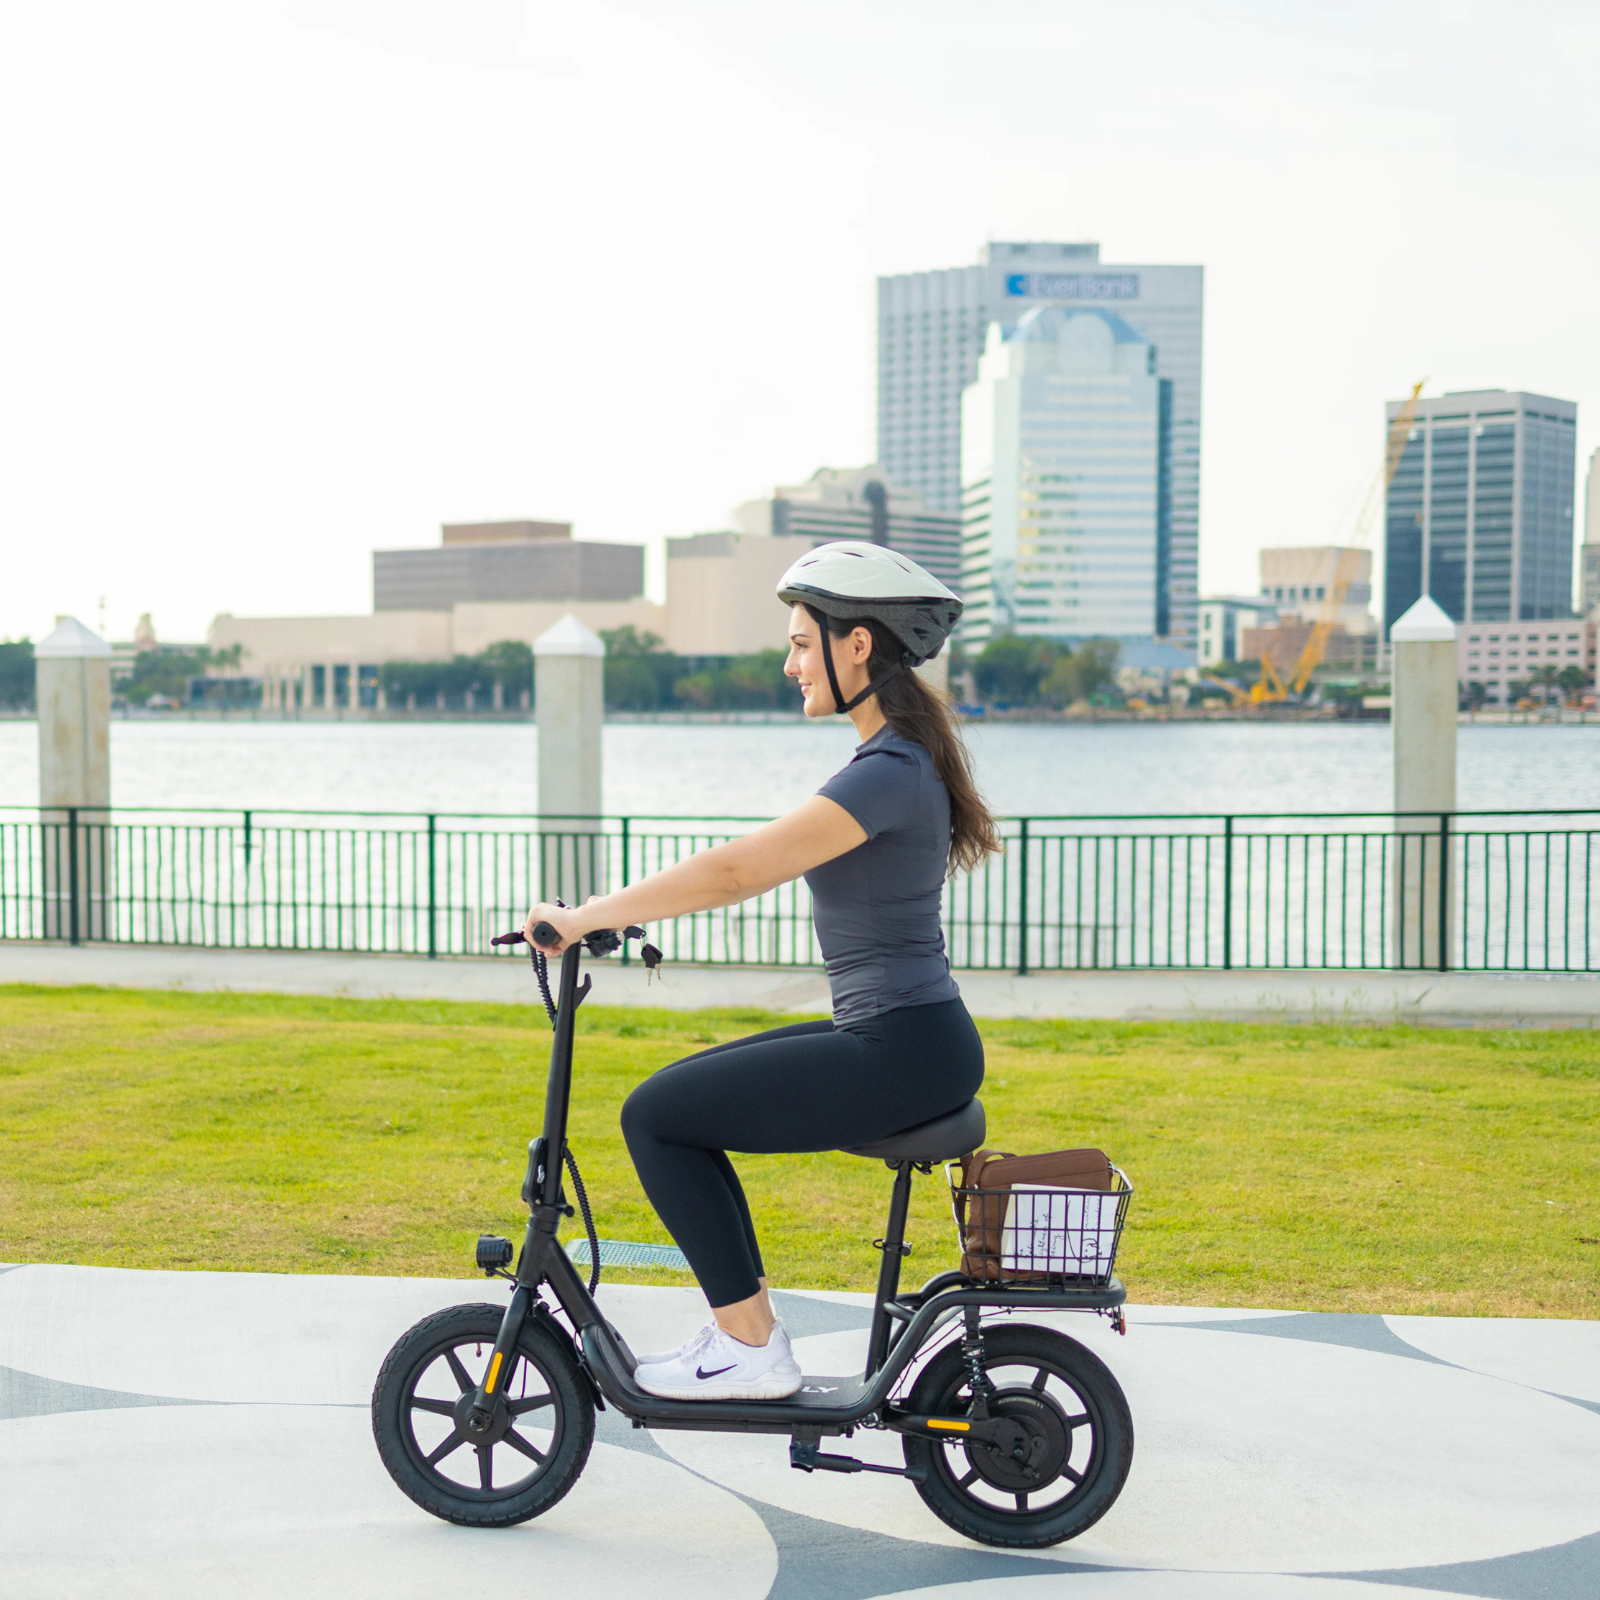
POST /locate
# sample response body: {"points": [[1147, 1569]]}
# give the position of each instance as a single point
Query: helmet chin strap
{"points": [[840, 704]]}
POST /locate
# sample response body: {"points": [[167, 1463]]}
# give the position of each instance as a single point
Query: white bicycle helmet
{"points": [[857, 581]]}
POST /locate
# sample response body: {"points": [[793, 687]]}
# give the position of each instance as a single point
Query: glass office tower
{"points": [[1479, 513], [1064, 448], [932, 327]]}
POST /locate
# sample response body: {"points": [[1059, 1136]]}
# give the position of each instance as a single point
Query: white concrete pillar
{"points": [[1423, 721], [73, 677], [569, 703]]}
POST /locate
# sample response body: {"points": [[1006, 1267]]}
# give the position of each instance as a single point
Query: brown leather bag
{"points": [[981, 1217]]}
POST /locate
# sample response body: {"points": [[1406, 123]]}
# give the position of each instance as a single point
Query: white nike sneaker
{"points": [[688, 1347], [720, 1367]]}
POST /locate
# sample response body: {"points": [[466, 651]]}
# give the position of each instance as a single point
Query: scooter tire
{"points": [[1073, 1411], [452, 1346]]}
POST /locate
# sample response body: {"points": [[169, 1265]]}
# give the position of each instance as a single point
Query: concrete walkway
{"points": [[206, 1434], [1438, 999]]}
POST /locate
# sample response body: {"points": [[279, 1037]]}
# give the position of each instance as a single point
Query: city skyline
{"points": [[238, 362]]}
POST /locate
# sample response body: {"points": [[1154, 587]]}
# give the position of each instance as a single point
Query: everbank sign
{"points": [[1074, 285]]}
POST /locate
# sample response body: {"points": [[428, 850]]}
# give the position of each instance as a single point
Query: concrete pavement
{"points": [[1456, 999], [206, 1434]]}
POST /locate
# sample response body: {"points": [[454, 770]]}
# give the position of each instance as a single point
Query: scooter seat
{"points": [[957, 1134]]}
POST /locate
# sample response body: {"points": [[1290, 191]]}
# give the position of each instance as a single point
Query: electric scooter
{"points": [[1012, 1433]]}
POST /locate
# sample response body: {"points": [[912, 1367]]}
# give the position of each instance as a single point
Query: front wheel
{"points": [[535, 1445], [1075, 1421]]}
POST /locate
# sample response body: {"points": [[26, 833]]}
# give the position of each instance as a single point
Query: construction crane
{"points": [[1238, 696], [1271, 687]]}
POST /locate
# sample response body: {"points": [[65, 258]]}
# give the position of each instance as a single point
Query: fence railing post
{"points": [[433, 943], [1227, 893], [625, 882], [1022, 904], [1444, 891], [72, 872]]}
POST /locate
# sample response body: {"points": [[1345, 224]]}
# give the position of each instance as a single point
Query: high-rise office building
{"points": [[1589, 568], [1064, 440], [1479, 512], [860, 503], [932, 328]]}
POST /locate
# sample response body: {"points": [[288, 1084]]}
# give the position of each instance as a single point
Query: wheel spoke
{"points": [[486, 1466], [1079, 1422], [1041, 1378], [520, 1408], [459, 1371], [971, 1477], [440, 1408], [1071, 1476], [454, 1442], [517, 1442], [1022, 1500]]}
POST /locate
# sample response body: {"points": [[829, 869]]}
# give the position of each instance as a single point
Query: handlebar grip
{"points": [[543, 933]]}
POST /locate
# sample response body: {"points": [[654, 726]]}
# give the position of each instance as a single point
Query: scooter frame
{"points": [[902, 1324]]}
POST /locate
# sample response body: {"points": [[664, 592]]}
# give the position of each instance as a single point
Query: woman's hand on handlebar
{"points": [[569, 923]]}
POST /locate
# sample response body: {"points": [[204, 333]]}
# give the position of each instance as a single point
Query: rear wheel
{"points": [[535, 1445], [1076, 1441]]}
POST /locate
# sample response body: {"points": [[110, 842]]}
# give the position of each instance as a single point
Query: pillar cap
{"points": [[72, 641], [568, 637], [1424, 623]]}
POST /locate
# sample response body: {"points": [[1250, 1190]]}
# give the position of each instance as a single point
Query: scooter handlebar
{"points": [[543, 933], [602, 941]]}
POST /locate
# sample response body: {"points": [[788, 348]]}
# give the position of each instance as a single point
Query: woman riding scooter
{"points": [[875, 845]]}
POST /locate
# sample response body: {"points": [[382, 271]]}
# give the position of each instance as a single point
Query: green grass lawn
{"points": [[1333, 1168]]}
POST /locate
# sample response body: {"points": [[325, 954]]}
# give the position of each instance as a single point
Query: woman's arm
{"points": [[816, 831]]}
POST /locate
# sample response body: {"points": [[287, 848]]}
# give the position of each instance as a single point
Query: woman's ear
{"points": [[860, 644]]}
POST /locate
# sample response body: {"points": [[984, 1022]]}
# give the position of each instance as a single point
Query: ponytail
{"points": [[921, 715]]}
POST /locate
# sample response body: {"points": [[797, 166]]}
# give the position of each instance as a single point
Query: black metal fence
{"points": [[1478, 891]]}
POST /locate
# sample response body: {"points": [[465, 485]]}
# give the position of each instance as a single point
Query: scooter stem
{"points": [[559, 1090]]}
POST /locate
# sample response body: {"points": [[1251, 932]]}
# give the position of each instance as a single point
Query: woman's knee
{"points": [[636, 1116], [645, 1112]]}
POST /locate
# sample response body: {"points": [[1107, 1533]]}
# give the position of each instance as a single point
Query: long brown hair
{"points": [[920, 714]]}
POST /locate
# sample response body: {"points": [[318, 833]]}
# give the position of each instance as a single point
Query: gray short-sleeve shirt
{"points": [[876, 908]]}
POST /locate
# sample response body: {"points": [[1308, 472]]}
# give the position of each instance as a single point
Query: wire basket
{"points": [[1039, 1233]]}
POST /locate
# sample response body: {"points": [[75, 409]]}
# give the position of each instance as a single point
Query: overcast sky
{"points": [[285, 282]]}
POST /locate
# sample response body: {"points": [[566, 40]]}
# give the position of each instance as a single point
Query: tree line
{"points": [[641, 674], [16, 674], [1032, 672]]}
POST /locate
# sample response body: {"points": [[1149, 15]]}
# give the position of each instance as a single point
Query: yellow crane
{"points": [[1271, 687], [1238, 695]]}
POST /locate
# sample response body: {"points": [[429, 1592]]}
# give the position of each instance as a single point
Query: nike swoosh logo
{"points": [[700, 1372]]}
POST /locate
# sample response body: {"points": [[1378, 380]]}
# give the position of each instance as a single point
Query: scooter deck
{"points": [[830, 1404]]}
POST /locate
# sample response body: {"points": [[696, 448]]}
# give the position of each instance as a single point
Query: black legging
{"points": [[792, 1090]]}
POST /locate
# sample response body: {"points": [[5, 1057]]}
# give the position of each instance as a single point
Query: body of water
{"points": [[658, 769]]}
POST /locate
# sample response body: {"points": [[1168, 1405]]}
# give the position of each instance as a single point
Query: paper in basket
{"points": [[1068, 1231]]}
